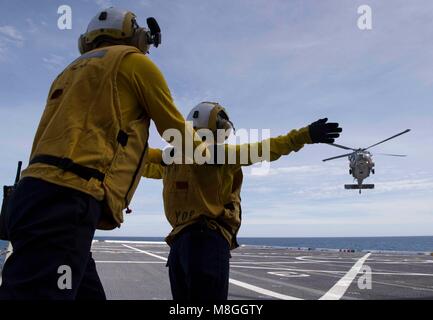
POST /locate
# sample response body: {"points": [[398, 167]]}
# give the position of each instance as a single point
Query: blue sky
{"points": [[275, 65]]}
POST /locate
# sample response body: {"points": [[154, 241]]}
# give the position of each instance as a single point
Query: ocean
{"points": [[3, 245], [414, 244]]}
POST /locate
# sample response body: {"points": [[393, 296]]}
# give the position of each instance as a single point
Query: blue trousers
{"points": [[199, 265], [51, 230]]}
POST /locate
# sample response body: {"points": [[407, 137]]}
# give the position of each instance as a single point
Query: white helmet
{"points": [[119, 26], [212, 116]]}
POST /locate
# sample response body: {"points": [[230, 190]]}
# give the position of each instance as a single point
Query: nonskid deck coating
{"points": [[137, 270]]}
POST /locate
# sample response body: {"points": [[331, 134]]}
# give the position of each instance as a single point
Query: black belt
{"points": [[202, 224], [67, 164]]}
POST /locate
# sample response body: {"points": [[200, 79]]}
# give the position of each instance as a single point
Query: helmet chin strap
{"points": [[223, 122], [232, 125]]}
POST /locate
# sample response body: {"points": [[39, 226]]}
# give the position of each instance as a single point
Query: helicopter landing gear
{"points": [[372, 171]]}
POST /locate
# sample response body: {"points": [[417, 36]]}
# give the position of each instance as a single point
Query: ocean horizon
{"points": [[392, 243], [389, 243]]}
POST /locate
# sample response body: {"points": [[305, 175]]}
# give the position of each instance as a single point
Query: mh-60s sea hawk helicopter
{"points": [[361, 163]]}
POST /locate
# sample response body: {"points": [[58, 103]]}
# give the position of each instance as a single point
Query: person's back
{"points": [[203, 192], [86, 159], [98, 115], [202, 204], [81, 122]]}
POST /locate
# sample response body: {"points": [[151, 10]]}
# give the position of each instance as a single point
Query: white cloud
{"points": [[145, 3], [406, 211], [293, 170], [326, 183], [334, 189], [32, 26], [9, 37], [11, 33], [103, 4], [425, 184], [54, 61]]}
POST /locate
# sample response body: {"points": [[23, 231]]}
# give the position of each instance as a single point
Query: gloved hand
{"points": [[322, 132]]}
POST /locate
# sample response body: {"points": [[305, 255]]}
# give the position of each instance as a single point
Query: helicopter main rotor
{"points": [[365, 149], [337, 157], [395, 136]]}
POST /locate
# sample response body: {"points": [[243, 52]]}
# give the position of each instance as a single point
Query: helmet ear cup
{"points": [[140, 40], [83, 46], [224, 123]]}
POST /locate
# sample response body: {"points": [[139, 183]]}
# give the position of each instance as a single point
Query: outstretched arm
{"points": [[273, 148], [154, 95], [266, 150]]}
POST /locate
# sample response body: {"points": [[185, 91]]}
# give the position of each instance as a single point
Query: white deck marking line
{"points": [[261, 290], [146, 252], [285, 269], [233, 281], [270, 262], [339, 289], [8, 253], [310, 259], [128, 261], [114, 252], [277, 269], [137, 242], [332, 271]]}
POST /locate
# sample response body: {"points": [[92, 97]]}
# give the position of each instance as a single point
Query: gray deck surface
{"points": [[137, 271]]}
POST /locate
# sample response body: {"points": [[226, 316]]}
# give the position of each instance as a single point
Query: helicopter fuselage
{"points": [[361, 164]]}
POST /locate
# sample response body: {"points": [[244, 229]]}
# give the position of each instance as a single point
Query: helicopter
{"points": [[361, 163]]}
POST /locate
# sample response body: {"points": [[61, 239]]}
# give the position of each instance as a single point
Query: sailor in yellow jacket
{"points": [[203, 204], [86, 160]]}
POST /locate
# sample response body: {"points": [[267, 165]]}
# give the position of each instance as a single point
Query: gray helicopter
{"points": [[361, 163]]}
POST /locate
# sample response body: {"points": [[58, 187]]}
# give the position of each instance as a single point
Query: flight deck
{"points": [[137, 270]]}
